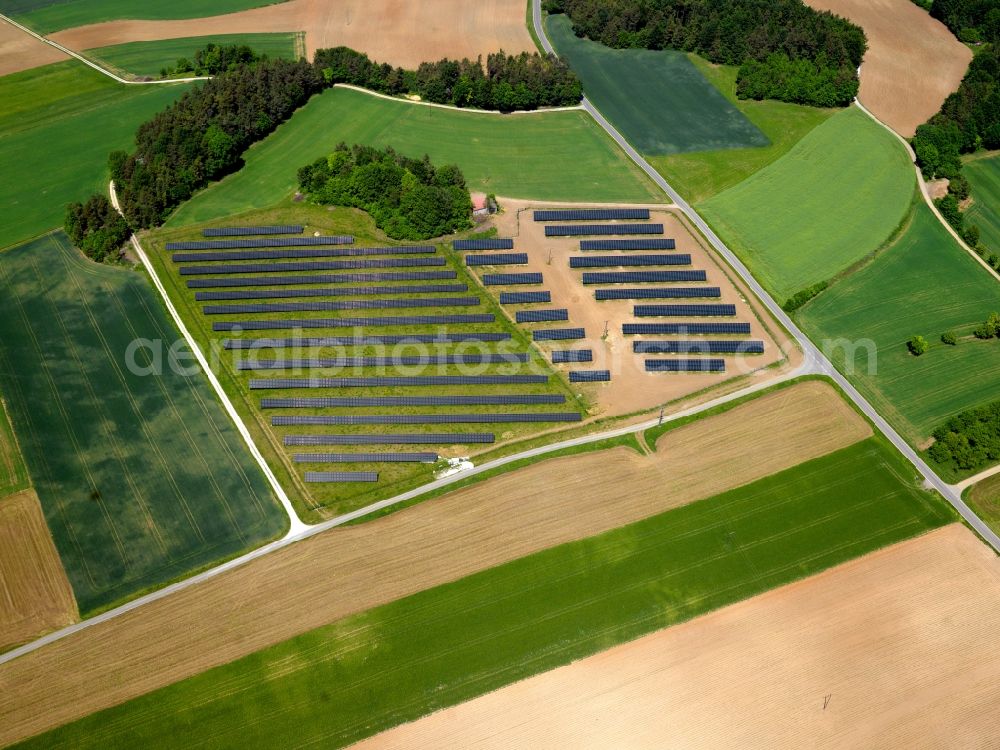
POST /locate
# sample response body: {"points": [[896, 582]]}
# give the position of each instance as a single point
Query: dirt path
{"points": [[900, 644], [352, 569], [20, 51], [387, 30]]}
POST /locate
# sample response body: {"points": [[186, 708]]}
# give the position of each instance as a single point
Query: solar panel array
{"points": [[647, 243], [389, 320], [691, 311], [316, 477], [425, 438], [589, 376], [382, 382], [399, 361], [685, 365], [330, 265], [707, 346], [307, 253], [518, 399], [273, 242], [340, 278], [685, 329], [677, 292], [394, 419], [409, 338], [496, 243], [509, 279], [572, 355], [541, 316], [641, 277], [497, 259], [349, 304], [524, 298], [246, 231], [367, 458], [573, 230], [623, 261], [347, 291], [592, 214], [558, 334]]}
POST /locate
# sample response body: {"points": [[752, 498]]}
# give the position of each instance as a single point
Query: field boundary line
{"points": [[379, 95]]}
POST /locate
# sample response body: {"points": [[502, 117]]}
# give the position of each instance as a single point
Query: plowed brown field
{"points": [[352, 569], [913, 62], [20, 51], [900, 644]]}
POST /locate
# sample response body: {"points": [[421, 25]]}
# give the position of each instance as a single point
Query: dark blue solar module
{"points": [[685, 365], [573, 230], [589, 376], [496, 243], [410, 338], [519, 399], [347, 304], [558, 334], [247, 231], [675, 292], [623, 261], [541, 316], [705, 346], [392, 419], [307, 253], [510, 279], [572, 355], [316, 477], [420, 438], [346, 291], [679, 311], [641, 277], [388, 320], [273, 242], [497, 259], [397, 361], [685, 329], [591, 214], [646, 243], [524, 298], [338, 278], [365, 458], [331, 265], [381, 382]]}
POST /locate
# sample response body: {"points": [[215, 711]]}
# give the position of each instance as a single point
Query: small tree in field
{"points": [[949, 338], [917, 345]]}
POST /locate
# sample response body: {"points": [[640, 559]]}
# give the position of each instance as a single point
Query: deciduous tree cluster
{"points": [[970, 440], [96, 228]]}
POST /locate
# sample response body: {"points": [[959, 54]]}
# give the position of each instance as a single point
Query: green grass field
{"points": [[143, 479], [984, 498], [351, 679], [923, 284], [47, 16], [700, 175], [984, 176], [13, 472], [555, 156], [57, 127], [657, 99], [145, 59], [832, 200]]}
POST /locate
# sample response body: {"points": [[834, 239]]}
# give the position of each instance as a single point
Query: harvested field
{"points": [[20, 51], [902, 641], [353, 569], [913, 62], [404, 34], [35, 595]]}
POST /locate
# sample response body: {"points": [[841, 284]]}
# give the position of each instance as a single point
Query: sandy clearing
{"points": [[352, 569], [903, 640], [912, 64], [20, 51], [388, 30], [631, 388], [35, 595]]}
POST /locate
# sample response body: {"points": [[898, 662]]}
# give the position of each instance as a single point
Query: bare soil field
{"points": [[901, 643], [353, 569], [20, 51], [387, 30], [631, 388], [912, 64], [35, 595]]}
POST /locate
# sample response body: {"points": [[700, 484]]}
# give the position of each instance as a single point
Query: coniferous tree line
{"points": [[972, 21], [409, 199], [96, 228], [785, 49]]}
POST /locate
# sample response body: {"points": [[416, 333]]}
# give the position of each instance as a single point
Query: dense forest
{"points": [[785, 49], [212, 60], [970, 440], [506, 83], [972, 21], [96, 228], [409, 199]]}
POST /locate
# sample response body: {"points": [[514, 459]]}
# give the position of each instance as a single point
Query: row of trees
{"points": [[212, 60], [772, 35], [409, 199], [96, 228], [505, 83], [970, 440], [972, 21]]}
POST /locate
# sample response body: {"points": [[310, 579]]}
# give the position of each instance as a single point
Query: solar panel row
{"points": [[589, 376], [379, 382], [685, 329], [497, 243], [425, 438], [624, 261], [246, 231], [647, 243], [677, 292], [524, 298], [641, 277], [331, 265], [319, 362], [497, 259], [339, 278], [558, 334], [412, 338], [541, 316], [521, 399], [573, 230], [676, 311], [509, 279], [391, 419], [685, 365], [308, 253], [351, 304], [272, 242], [347, 291], [367, 458], [591, 214], [572, 355], [315, 477], [388, 320], [708, 346]]}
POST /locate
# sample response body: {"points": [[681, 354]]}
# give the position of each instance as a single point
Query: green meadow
{"points": [[984, 177]]}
